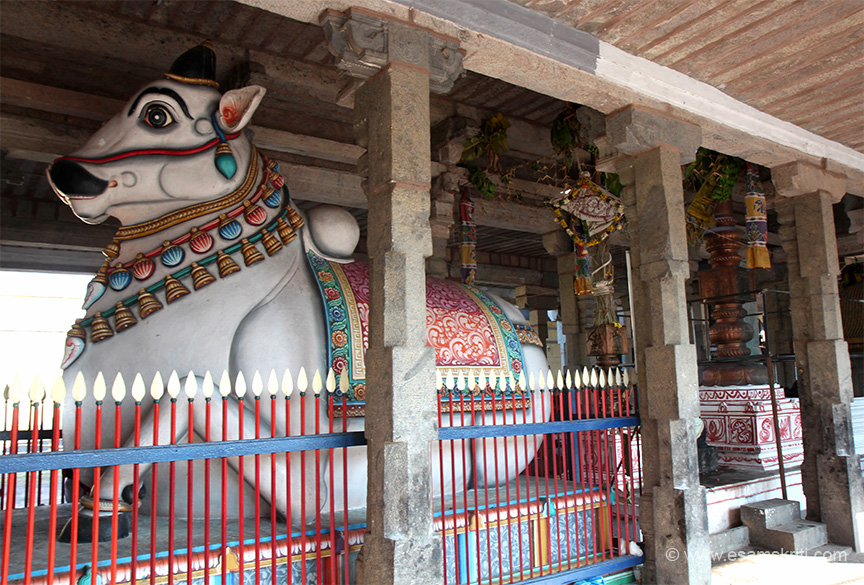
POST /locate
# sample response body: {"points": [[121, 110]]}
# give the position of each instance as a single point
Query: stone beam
{"points": [[32, 136], [26, 94], [513, 216], [522, 47], [323, 185], [311, 146], [61, 27], [536, 297], [77, 236], [636, 129], [798, 178], [527, 189], [35, 258]]}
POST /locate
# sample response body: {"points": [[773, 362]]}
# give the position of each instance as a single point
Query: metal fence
{"points": [[536, 479]]}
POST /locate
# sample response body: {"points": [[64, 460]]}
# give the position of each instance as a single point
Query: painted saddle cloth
{"points": [[468, 330]]}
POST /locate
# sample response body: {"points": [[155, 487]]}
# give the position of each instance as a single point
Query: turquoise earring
{"points": [[224, 159]]}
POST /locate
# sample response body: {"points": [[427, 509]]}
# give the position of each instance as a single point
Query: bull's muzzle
{"points": [[69, 179]]}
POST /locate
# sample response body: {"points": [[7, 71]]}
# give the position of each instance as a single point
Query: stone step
{"points": [[834, 553], [736, 538], [769, 514], [795, 536]]}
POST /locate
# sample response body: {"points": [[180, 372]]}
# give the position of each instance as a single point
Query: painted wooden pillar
{"points": [[397, 63], [673, 510], [831, 472]]}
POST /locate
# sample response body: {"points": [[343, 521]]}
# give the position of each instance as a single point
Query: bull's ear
{"points": [[237, 106]]}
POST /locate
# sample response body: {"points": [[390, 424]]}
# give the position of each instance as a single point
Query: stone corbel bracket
{"points": [[363, 42]]}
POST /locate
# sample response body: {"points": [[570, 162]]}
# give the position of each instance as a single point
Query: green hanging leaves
{"points": [[714, 172], [490, 142], [482, 182]]}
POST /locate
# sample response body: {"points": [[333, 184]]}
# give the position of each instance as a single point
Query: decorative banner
{"points": [[756, 221], [598, 210], [700, 213], [468, 238], [582, 276]]}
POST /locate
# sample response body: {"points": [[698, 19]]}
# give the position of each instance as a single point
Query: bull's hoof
{"points": [[106, 532]]}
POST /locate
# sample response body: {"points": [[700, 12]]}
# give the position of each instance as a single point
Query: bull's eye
{"points": [[158, 116]]}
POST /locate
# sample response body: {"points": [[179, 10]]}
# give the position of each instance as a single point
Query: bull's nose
{"points": [[72, 180]]}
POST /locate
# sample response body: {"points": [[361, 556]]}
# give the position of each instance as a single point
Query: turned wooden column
{"points": [[727, 279]]}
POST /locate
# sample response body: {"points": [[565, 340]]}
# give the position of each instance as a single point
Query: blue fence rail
{"points": [[568, 514]]}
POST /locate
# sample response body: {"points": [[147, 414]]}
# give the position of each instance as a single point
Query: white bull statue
{"points": [[195, 199]]}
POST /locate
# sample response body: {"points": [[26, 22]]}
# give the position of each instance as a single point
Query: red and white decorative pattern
{"points": [[459, 326], [458, 329], [743, 430], [714, 393]]}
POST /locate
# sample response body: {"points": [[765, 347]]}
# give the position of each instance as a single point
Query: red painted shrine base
{"points": [[740, 423], [485, 536]]}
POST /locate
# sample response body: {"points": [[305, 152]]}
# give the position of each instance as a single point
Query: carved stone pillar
{"points": [[572, 308], [397, 63], [831, 472], [448, 140], [673, 511]]}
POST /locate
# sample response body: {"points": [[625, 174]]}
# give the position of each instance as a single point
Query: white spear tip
{"points": [[99, 389], [272, 383], [191, 385], [157, 387], [58, 390], [207, 385], [118, 389], [79, 388], [257, 384]]}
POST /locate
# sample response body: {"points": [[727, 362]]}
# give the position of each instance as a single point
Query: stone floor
{"points": [[755, 566]]}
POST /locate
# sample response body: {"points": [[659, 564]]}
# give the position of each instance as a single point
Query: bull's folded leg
{"points": [[106, 528], [123, 475]]}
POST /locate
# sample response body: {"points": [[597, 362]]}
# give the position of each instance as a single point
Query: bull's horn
{"points": [[196, 66]]}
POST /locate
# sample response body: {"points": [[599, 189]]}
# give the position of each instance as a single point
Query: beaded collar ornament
{"points": [[272, 192]]}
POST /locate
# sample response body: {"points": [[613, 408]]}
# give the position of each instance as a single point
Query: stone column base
{"points": [[740, 423]]}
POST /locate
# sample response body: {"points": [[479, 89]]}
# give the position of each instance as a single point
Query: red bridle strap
{"points": [[149, 152]]}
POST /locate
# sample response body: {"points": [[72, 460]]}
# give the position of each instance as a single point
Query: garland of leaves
{"points": [[490, 142], [713, 176], [553, 169]]}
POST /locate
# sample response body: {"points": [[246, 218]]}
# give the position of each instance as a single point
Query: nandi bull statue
{"points": [[207, 274]]}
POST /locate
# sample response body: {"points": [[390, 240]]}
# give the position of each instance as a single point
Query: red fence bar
{"points": [[191, 388], [58, 393], [98, 395], [156, 390], [118, 392], [224, 390], [257, 388], [537, 481], [272, 388], [137, 395], [36, 393], [240, 390]]}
